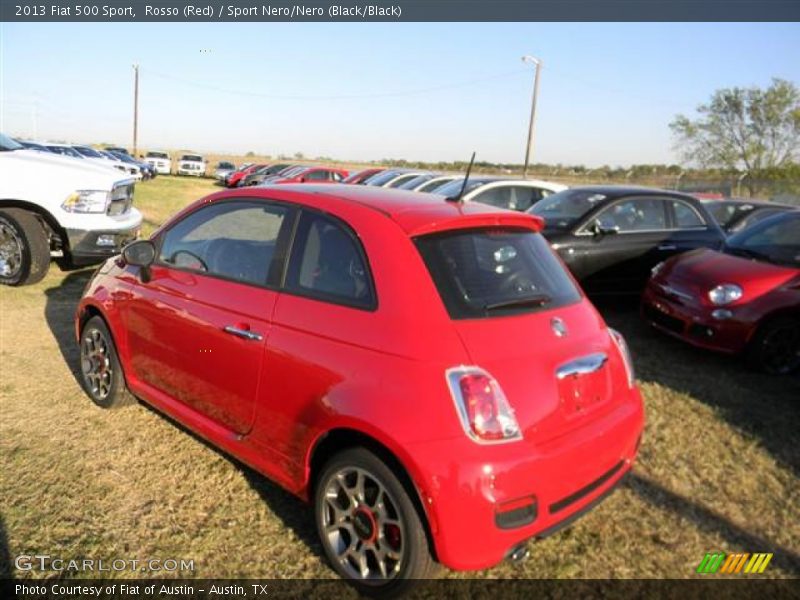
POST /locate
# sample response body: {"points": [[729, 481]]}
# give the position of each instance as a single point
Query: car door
{"points": [[618, 245], [199, 323], [691, 229]]}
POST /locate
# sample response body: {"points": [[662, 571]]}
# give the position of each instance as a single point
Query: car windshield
{"points": [[7, 144], [775, 240], [724, 213], [123, 157], [433, 185], [415, 181], [484, 273], [453, 188], [564, 209], [380, 178], [66, 151], [226, 165], [192, 157], [157, 155], [90, 152]]}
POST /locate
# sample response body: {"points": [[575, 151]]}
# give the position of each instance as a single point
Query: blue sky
{"points": [[429, 91]]}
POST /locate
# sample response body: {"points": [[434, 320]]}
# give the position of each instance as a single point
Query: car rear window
{"points": [[483, 273]]}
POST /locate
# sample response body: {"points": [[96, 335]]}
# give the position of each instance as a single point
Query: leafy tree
{"points": [[751, 130]]}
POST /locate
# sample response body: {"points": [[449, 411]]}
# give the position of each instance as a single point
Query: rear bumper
{"points": [[473, 492], [694, 324]]}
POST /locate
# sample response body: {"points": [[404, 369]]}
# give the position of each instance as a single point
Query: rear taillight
{"points": [[482, 406], [622, 346]]}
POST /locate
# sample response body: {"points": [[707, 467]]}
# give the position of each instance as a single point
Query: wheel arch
{"points": [[45, 217], [341, 438], [777, 313]]}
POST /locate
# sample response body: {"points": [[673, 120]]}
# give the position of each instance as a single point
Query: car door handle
{"points": [[582, 366], [243, 333], [667, 247]]}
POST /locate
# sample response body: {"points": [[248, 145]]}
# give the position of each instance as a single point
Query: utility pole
{"points": [[135, 107], [529, 148], [35, 119]]}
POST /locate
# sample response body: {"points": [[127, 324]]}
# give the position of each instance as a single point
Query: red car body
{"points": [[237, 176], [362, 176], [314, 175], [677, 297], [325, 372]]}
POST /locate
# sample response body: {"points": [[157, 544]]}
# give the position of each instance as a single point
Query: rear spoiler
{"points": [[469, 221]]}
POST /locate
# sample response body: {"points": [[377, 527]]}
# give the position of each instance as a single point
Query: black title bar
{"points": [[398, 10]]}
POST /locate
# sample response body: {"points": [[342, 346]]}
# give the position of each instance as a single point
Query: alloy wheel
{"points": [[10, 251], [96, 363], [781, 348], [362, 526]]}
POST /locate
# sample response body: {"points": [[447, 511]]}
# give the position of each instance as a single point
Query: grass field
{"points": [[719, 468]]}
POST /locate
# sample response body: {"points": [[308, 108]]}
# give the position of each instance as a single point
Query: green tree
{"points": [[751, 130]]}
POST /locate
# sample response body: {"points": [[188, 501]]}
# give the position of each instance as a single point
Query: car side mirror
{"points": [[141, 253]]}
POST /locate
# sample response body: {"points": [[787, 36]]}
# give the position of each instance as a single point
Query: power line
{"points": [[466, 83]]}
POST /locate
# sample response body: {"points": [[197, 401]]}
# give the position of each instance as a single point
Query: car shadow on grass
{"points": [[59, 312], [709, 522], [295, 514], [764, 407]]}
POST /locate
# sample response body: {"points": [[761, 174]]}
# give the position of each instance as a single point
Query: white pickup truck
{"points": [[52, 205], [160, 161], [192, 164]]}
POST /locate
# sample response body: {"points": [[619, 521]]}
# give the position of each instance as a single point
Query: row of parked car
{"points": [[626, 240]]}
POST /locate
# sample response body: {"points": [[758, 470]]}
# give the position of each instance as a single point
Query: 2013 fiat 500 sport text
{"points": [[426, 373]]}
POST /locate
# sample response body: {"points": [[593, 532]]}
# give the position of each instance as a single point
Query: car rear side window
{"points": [[234, 239], [327, 263], [483, 273], [686, 216]]}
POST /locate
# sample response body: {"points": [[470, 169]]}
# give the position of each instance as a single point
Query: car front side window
{"points": [[234, 240], [634, 215]]}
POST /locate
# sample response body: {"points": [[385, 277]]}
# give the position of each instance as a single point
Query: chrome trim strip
{"points": [[582, 366]]}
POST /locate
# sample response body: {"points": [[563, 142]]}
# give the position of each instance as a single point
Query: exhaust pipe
{"points": [[518, 554]]}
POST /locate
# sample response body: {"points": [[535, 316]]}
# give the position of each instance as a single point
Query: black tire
{"points": [[101, 373], [25, 247], [401, 532], [775, 349]]}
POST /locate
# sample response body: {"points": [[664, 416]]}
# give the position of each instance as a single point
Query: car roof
{"points": [[746, 202], [416, 213], [615, 191]]}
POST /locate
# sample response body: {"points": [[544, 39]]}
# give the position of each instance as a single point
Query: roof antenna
{"points": [[466, 178]]}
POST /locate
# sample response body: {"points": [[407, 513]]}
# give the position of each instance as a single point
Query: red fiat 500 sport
{"points": [[426, 373], [745, 298]]}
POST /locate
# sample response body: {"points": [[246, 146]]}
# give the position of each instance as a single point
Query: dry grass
{"points": [[719, 464]]}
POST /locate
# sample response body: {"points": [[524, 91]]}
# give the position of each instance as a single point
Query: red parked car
{"points": [[426, 373], [235, 177], [360, 177], [743, 299], [313, 175]]}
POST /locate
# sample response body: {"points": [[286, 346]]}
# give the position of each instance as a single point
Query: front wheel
{"points": [[370, 529], [775, 348], [101, 372], [24, 248]]}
